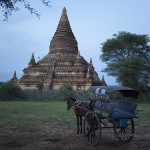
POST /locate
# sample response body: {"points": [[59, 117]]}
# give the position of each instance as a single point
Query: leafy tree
{"points": [[9, 6], [9, 90], [1, 83], [65, 91], [127, 57], [40, 86]]}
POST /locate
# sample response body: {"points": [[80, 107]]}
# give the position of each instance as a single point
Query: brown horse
{"points": [[80, 108]]}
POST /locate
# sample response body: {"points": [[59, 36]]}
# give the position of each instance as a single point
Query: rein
{"points": [[73, 107], [76, 103]]}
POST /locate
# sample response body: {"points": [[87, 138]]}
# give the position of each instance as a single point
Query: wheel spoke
{"points": [[125, 133], [129, 124], [91, 137], [120, 131], [92, 129], [128, 128]]}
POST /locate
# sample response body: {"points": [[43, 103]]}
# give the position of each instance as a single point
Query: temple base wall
{"points": [[74, 86], [25, 87]]}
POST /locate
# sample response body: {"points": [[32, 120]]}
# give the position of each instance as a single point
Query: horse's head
{"points": [[70, 103]]}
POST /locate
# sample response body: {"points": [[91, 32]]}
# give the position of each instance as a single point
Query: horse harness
{"points": [[77, 103]]}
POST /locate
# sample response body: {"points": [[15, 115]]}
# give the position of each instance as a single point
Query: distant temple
{"points": [[63, 65]]}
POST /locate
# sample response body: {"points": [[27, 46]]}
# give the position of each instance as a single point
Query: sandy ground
{"points": [[48, 138]]}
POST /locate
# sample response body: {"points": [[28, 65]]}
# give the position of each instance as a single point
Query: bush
{"points": [[10, 91], [65, 91], [47, 95], [40, 86], [61, 95], [83, 95]]}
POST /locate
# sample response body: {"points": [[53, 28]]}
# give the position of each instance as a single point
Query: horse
{"points": [[80, 108]]}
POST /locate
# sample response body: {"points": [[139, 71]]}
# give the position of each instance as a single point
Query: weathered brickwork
{"points": [[62, 65]]}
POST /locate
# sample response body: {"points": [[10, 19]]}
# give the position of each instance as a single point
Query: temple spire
{"points": [[63, 39], [14, 78], [64, 11], [64, 28], [78, 55], [91, 61], [32, 62], [103, 81]]}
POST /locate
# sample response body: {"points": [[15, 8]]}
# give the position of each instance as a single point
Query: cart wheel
{"points": [[92, 128], [125, 134]]}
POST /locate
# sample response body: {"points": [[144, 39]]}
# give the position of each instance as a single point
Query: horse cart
{"points": [[105, 113]]}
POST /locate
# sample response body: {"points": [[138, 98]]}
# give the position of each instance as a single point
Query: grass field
{"points": [[144, 116], [30, 115]]}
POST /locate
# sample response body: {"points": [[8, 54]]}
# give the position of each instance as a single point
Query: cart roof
{"points": [[109, 90]]}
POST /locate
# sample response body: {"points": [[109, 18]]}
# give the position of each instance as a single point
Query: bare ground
{"points": [[48, 138]]}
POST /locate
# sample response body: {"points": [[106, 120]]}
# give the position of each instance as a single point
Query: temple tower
{"points": [[63, 40], [62, 65]]}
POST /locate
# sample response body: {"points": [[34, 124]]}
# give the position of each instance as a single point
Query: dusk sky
{"points": [[92, 23]]}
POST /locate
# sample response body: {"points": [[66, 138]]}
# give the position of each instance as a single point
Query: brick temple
{"points": [[63, 65]]}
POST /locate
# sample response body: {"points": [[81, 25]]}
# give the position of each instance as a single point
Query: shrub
{"points": [[83, 95], [40, 86], [9, 90], [47, 95], [65, 91]]}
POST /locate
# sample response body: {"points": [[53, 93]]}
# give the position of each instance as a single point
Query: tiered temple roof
{"points": [[62, 65]]}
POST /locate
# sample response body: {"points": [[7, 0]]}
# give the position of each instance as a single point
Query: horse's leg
{"points": [[77, 124], [80, 124]]}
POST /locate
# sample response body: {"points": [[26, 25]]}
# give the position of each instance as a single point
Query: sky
{"points": [[92, 22]]}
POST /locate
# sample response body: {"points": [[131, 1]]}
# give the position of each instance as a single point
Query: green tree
{"points": [[9, 90], [9, 6], [127, 57], [40, 86], [65, 91]]}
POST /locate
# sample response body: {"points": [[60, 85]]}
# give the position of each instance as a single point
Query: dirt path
{"points": [[63, 139]]}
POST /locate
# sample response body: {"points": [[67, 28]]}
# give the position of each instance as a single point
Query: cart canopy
{"points": [[105, 92]]}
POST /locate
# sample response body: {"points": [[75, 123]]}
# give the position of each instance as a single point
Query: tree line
{"points": [[9, 91]]}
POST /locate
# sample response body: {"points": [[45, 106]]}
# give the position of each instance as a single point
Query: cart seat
{"points": [[103, 105], [110, 107], [124, 109]]}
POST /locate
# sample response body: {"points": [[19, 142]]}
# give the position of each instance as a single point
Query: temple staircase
{"points": [[49, 77]]}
